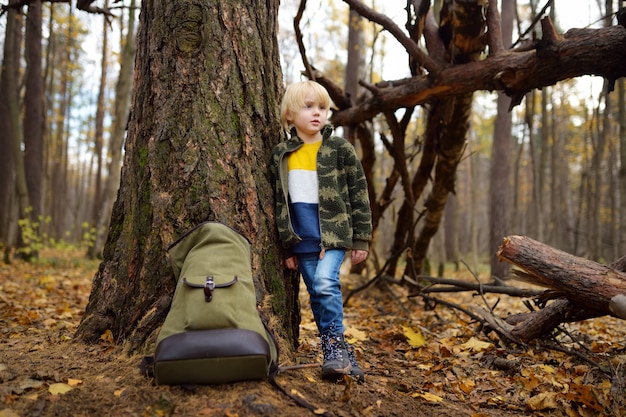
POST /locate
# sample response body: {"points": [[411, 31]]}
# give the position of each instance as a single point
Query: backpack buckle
{"points": [[209, 286]]}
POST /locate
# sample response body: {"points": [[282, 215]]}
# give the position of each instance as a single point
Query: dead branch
{"points": [[453, 285], [578, 52]]}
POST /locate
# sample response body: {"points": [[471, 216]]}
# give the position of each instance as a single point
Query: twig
{"points": [[376, 277], [293, 367], [460, 286], [558, 348], [454, 306]]}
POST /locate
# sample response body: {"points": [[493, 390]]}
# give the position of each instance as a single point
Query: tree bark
{"points": [[123, 91], [203, 122], [500, 190], [97, 200], [8, 76], [34, 111], [552, 59], [581, 288], [586, 283], [11, 95]]}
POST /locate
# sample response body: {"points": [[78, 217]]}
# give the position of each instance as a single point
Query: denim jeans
{"points": [[321, 277]]}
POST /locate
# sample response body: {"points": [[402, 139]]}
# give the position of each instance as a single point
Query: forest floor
{"points": [[418, 362]]}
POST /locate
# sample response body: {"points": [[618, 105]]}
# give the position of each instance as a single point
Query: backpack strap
{"points": [[275, 370], [299, 400]]}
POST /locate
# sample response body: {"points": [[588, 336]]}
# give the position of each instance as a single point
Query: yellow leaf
{"points": [[497, 400], [59, 388], [547, 368], [118, 392], [467, 386], [542, 401], [476, 345], [73, 382], [414, 337], [355, 334], [107, 336], [428, 397]]}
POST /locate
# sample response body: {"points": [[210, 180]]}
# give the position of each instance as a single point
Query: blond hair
{"points": [[295, 96]]}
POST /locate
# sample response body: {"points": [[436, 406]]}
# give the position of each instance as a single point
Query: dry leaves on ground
{"points": [[418, 362]]}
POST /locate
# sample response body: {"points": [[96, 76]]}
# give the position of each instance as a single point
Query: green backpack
{"points": [[213, 332]]}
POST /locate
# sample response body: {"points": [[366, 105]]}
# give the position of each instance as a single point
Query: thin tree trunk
{"points": [[450, 118], [34, 111], [621, 91], [8, 91], [99, 133], [11, 67], [59, 150], [534, 207], [597, 199], [123, 90], [502, 149]]}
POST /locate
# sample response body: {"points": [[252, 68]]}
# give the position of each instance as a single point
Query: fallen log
{"points": [[581, 288]]}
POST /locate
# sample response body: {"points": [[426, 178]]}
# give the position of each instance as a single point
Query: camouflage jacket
{"points": [[344, 206]]}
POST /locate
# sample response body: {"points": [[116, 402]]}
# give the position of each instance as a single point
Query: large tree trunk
{"points": [[203, 121]]}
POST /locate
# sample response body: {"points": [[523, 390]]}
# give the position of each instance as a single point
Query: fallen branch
{"points": [[581, 289], [453, 285]]}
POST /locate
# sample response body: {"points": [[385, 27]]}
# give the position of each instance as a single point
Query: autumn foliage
{"points": [[419, 361]]}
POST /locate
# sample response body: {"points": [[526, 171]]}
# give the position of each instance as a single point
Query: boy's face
{"points": [[311, 118]]}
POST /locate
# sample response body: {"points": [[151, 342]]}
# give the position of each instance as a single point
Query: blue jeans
{"points": [[321, 277]]}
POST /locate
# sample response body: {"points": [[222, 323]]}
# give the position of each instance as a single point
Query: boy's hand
{"points": [[291, 263], [358, 256]]}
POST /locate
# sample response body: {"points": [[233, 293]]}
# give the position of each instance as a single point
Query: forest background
{"points": [[565, 161], [559, 179]]}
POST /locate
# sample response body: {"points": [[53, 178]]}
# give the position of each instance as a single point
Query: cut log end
{"points": [[617, 305]]}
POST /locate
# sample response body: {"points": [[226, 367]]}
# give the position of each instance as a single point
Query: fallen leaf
{"points": [[59, 388], [542, 401], [475, 345], [414, 337], [8, 413], [467, 385], [73, 382], [30, 383], [355, 335], [107, 336], [428, 397]]}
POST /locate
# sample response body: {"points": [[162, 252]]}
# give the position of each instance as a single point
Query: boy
{"points": [[322, 210]]}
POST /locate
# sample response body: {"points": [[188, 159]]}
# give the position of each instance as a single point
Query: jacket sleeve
{"points": [[279, 202], [359, 200]]}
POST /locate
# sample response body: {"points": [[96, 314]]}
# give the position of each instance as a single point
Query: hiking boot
{"points": [[336, 358], [355, 371]]}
